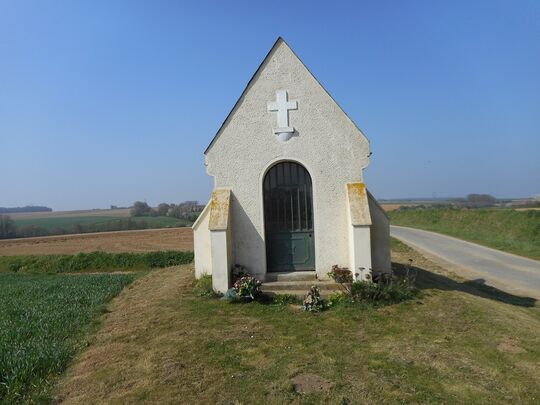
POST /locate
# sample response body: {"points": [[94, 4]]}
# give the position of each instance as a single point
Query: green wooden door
{"points": [[288, 216]]}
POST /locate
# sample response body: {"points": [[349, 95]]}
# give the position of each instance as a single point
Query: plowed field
{"points": [[146, 240]]}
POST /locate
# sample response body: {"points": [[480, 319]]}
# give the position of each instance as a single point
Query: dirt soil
{"points": [[307, 383], [393, 207], [146, 240]]}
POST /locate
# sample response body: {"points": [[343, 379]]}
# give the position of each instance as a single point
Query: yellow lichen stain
{"points": [[358, 204], [358, 189], [219, 209]]}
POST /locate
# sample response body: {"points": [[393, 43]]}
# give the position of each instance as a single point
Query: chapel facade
{"points": [[289, 193]]}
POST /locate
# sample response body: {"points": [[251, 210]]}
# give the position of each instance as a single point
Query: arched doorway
{"points": [[288, 218]]}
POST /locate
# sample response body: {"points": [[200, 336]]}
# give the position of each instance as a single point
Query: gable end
{"points": [[278, 42]]}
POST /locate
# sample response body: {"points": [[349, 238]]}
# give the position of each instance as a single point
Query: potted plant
{"points": [[247, 288]]}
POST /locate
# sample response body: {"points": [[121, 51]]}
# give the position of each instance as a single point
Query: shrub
{"points": [[338, 298], [204, 287], [94, 261], [340, 274], [167, 259], [285, 299], [386, 290], [247, 287], [313, 301]]}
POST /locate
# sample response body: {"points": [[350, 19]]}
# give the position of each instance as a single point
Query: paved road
{"points": [[508, 272]]}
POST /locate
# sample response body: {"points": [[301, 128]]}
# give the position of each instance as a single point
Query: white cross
{"points": [[282, 106]]}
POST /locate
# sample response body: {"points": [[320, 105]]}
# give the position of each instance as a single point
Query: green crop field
{"points": [[44, 321], [505, 229], [52, 223]]}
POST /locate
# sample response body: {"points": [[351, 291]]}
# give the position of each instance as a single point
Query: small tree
{"points": [[162, 209], [140, 209], [185, 210], [7, 227], [175, 211], [481, 200]]}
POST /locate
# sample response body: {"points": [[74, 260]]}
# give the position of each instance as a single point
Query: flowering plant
{"points": [[247, 287], [340, 274], [313, 301]]}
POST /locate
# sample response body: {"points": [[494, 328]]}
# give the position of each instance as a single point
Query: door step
{"points": [[300, 294], [291, 276], [301, 285], [299, 288]]}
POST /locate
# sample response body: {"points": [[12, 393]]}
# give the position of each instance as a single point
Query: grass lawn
{"points": [[505, 229], [50, 223], [44, 321], [457, 343]]}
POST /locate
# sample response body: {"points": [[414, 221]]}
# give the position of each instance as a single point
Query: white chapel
{"points": [[289, 192]]}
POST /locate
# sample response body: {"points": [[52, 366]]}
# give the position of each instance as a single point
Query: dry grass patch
{"points": [[163, 343], [308, 383]]}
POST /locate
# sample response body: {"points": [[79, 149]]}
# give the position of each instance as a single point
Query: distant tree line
{"points": [[476, 201], [186, 213], [28, 208], [471, 201], [188, 210], [533, 202]]}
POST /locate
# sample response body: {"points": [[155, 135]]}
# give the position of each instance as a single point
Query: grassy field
{"points": [[505, 229], [118, 212], [51, 223], [139, 241], [44, 321], [457, 343]]}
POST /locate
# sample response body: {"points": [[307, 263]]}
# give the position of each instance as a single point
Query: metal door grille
{"points": [[288, 199]]}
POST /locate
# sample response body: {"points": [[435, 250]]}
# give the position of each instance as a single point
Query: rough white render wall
{"points": [[221, 263], [202, 244], [360, 251], [380, 237], [326, 142]]}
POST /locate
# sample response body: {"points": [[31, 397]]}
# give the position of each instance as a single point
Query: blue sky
{"points": [[108, 102]]}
